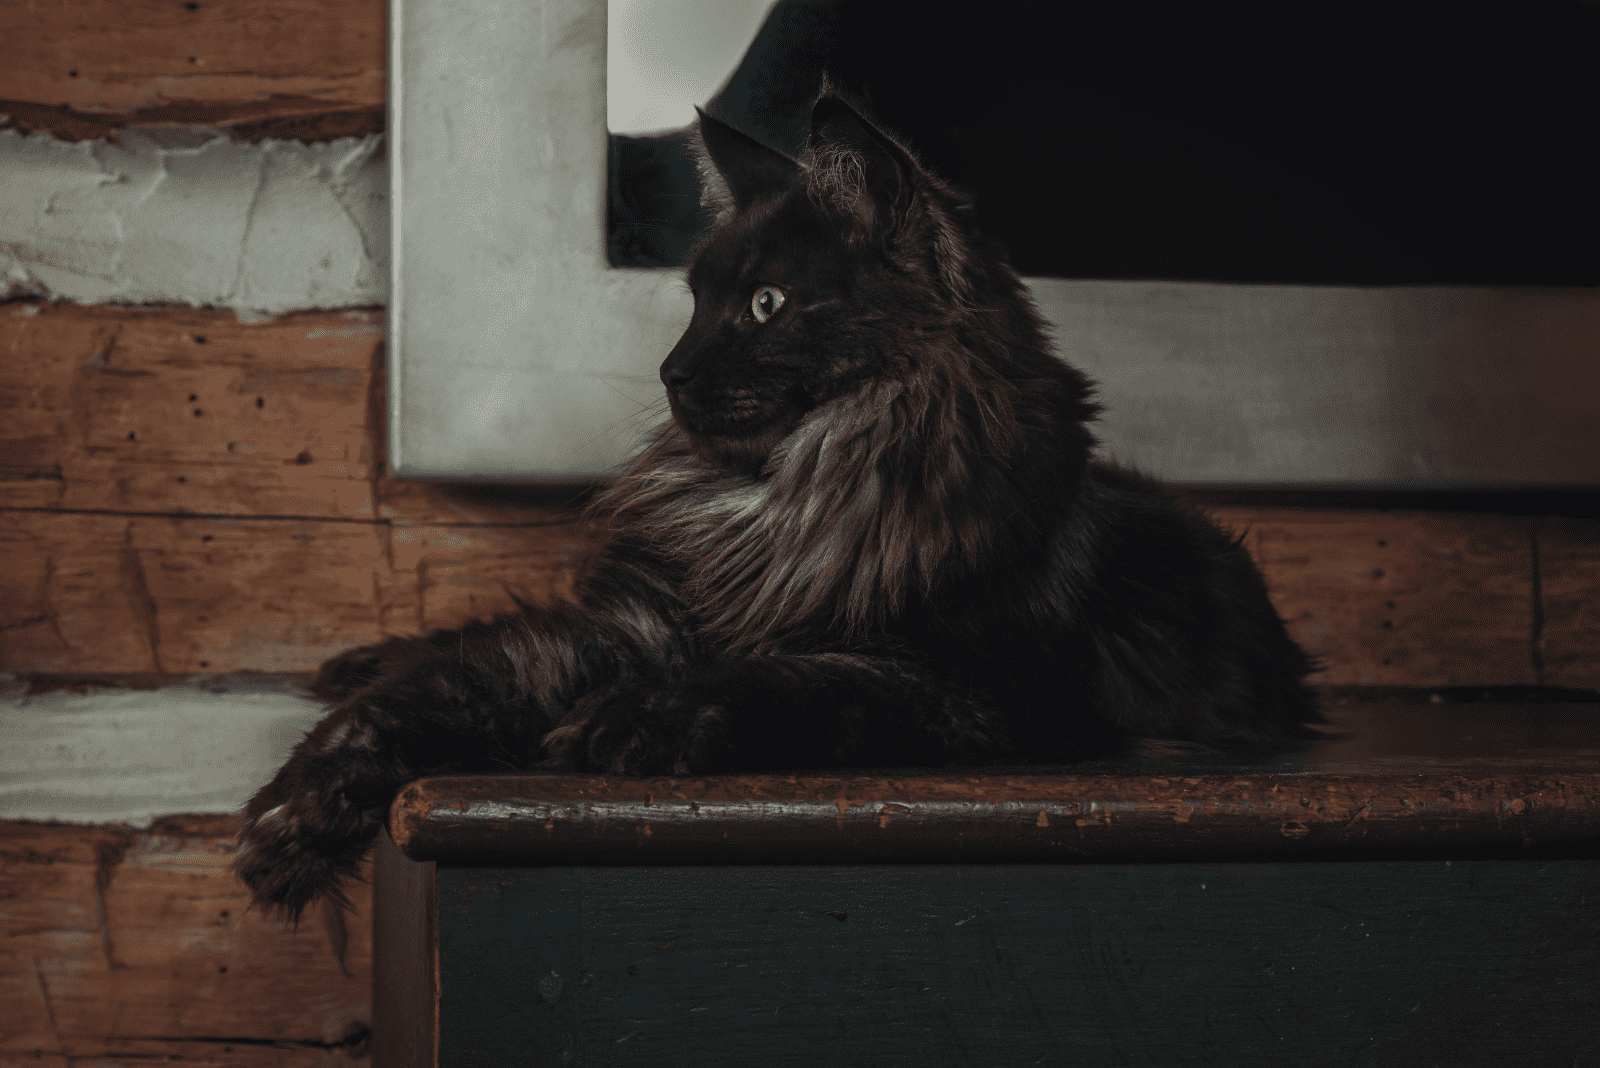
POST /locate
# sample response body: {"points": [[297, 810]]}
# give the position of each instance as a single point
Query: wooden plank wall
{"points": [[182, 492], [122, 947], [187, 493], [125, 946]]}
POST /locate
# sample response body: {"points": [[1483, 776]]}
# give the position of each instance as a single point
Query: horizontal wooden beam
{"points": [[180, 412], [178, 595], [563, 820], [212, 61]]}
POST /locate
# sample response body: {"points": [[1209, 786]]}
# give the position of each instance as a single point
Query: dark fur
{"points": [[871, 534]]}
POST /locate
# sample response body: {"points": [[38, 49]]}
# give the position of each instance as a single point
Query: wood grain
{"points": [[97, 412], [1400, 598], [1569, 579], [145, 410], [191, 594], [207, 61], [180, 491], [123, 946], [176, 595]]}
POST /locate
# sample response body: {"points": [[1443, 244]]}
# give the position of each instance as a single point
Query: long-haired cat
{"points": [[871, 534]]}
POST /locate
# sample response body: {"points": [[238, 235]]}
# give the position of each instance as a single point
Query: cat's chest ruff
{"points": [[694, 523]]}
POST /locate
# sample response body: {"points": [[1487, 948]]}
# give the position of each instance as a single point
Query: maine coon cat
{"points": [[872, 533]]}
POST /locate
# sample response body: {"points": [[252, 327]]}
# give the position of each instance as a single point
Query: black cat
{"points": [[871, 534]]}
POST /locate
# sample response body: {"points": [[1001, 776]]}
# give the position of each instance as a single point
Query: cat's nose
{"points": [[675, 375]]}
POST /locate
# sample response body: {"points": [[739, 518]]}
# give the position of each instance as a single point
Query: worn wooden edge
{"points": [[993, 818]]}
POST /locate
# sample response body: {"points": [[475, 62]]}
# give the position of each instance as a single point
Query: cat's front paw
{"points": [[667, 730], [284, 873], [301, 844]]}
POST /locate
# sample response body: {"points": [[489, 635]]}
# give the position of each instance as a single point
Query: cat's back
{"points": [[1144, 610]]}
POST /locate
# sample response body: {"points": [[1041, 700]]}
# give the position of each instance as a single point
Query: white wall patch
{"points": [[185, 214]]}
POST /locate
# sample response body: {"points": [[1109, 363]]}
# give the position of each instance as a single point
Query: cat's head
{"points": [[823, 274]]}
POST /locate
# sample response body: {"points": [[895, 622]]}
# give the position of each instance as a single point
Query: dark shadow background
{"points": [[1358, 144]]}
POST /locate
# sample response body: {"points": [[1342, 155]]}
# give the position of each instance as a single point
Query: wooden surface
{"points": [[1384, 598], [1422, 892], [123, 947], [1375, 964], [213, 61], [267, 536], [1568, 630], [1390, 780], [134, 410]]}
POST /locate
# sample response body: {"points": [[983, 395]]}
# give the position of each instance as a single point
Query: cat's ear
{"points": [[887, 194], [857, 169], [735, 168]]}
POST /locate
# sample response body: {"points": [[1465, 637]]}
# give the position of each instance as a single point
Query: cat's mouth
{"points": [[734, 432], [730, 413]]}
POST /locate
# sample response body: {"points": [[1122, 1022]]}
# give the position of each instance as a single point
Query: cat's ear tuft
{"points": [[856, 168], [735, 168]]}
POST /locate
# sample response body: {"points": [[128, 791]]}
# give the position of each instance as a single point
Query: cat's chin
{"points": [[745, 454]]}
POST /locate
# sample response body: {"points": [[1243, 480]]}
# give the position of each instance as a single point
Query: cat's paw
{"points": [[285, 872], [300, 843], [667, 730]]}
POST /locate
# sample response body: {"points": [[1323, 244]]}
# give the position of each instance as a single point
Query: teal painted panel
{"points": [[1400, 963]]}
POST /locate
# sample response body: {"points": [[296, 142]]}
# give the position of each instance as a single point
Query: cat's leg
{"points": [[782, 711], [353, 669], [478, 698]]}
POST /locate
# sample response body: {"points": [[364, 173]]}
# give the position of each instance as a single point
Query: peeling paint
{"points": [[188, 215]]}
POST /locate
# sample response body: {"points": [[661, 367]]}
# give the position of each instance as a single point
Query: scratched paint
{"points": [[1034, 818]]}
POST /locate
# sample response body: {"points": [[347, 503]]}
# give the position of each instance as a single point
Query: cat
{"points": [[872, 533]]}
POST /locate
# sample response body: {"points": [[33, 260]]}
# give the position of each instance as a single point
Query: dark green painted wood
{"points": [[1402, 963]]}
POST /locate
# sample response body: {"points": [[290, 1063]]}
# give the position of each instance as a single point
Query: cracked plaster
{"points": [[184, 214], [197, 744]]}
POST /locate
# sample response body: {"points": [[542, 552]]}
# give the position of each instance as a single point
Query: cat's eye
{"points": [[765, 303]]}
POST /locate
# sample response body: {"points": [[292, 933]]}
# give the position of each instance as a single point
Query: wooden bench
{"points": [[1419, 888]]}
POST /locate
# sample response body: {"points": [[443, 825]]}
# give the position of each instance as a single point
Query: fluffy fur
{"points": [[872, 534]]}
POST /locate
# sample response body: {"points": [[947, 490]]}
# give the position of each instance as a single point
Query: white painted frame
{"points": [[518, 354]]}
